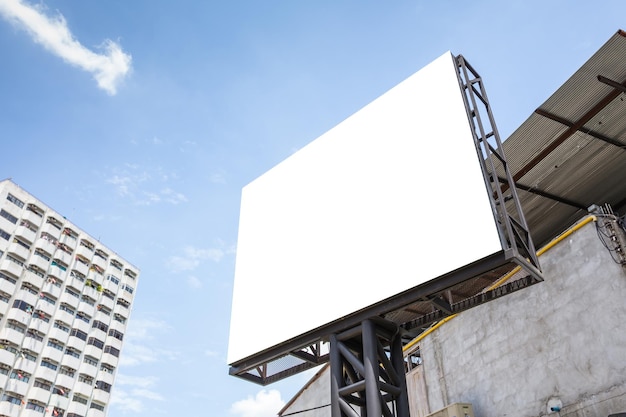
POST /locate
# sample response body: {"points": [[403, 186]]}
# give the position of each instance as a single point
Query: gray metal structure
{"points": [[414, 309]]}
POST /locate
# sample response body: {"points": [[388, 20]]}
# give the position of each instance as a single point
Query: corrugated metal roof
{"points": [[573, 146]]}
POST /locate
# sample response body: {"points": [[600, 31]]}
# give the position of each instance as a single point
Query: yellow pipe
{"points": [[499, 282]]}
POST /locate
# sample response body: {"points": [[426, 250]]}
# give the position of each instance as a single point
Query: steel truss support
{"points": [[513, 229], [367, 371]]}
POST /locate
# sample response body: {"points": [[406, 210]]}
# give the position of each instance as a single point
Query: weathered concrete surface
{"points": [[560, 340], [313, 400]]}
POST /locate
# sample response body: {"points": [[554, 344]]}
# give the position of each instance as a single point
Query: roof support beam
{"points": [[544, 194], [569, 132], [591, 133], [612, 83]]}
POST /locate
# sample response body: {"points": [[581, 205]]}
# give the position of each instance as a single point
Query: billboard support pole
{"points": [[512, 227], [367, 371]]}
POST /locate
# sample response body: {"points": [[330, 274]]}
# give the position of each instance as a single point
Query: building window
{"points": [[128, 288], [61, 326], [90, 360], [13, 199], [97, 406], [11, 399], [113, 351], [49, 364], [116, 264], [88, 300], [108, 294], [42, 254], [34, 334], [116, 334], [72, 352], [67, 309], [4, 235], [95, 342], [72, 293], [35, 270], [78, 399], [103, 386], [11, 324], [32, 406], [8, 278], [47, 299], [107, 368], [8, 216], [67, 371], [83, 317], [15, 260], [85, 379], [119, 318], [23, 305], [99, 325], [29, 355], [19, 375], [55, 344], [79, 333], [39, 383], [113, 279]]}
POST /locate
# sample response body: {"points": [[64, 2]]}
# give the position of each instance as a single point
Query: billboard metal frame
{"points": [[311, 349]]}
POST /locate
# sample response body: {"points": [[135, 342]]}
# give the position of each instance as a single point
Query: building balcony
{"points": [[39, 262], [51, 230], [31, 343], [100, 316], [25, 233], [109, 359], [85, 252], [11, 335], [46, 245], [86, 308], [4, 307], [25, 365], [27, 297], [57, 400], [45, 373], [32, 217], [63, 315], [3, 380], [12, 410], [111, 286], [51, 289], [32, 278], [18, 250], [77, 408], [108, 303], [39, 394], [83, 389], [76, 343], [46, 307], [64, 380], [94, 351], [58, 334], [7, 286], [70, 361], [88, 369], [92, 413], [38, 324], [101, 396], [52, 353], [126, 296], [68, 240], [57, 272], [70, 300], [81, 325], [112, 341], [17, 386], [18, 315], [97, 333], [105, 377], [63, 256], [95, 276], [7, 358], [91, 292], [9, 267], [76, 283], [97, 260], [81, 267], [121, 310]]}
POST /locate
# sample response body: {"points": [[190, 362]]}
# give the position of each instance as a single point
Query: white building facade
{"points": [[65, 300]]}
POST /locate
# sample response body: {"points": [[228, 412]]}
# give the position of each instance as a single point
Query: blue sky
{"points": [[141, 121]]}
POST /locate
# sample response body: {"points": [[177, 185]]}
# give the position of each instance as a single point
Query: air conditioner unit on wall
{"points": [[454, 410]]}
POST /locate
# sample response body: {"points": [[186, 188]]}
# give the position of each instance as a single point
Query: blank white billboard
{"points": [[390, 198]]}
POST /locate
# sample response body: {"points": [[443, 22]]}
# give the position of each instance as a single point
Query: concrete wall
{"points": [[314, 398], [563, 340]]}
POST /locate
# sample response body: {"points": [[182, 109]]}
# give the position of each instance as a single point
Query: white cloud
{"points": [[194, 282], [129, 399], [108, 67], [139, 346], [264, 404], [138, 185], [192, 257]]}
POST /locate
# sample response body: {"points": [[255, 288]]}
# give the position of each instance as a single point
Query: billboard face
{"points": [[388, 199]]}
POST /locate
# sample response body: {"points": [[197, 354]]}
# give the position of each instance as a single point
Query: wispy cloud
{"points": [[139, 347], [145, 187], [109, 67], [192, 257], [264, 404], [130, 392], [194, 282]]}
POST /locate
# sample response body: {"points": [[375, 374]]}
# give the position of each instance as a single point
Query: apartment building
{"points": [[65, 301]]}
